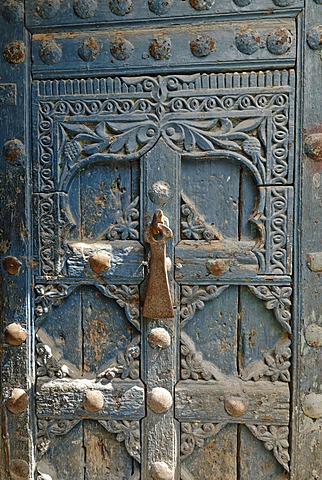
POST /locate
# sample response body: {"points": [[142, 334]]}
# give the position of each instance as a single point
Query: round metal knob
{"points": [[15, 335], [313, 335], [94, 401], [235, 406], [159, 400], [218, 266], [19, 469], [159, 338], [161, 471], [18, 401], [312, 405], [12, 265], [100, 262]]}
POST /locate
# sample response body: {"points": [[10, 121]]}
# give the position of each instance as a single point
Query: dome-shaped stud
{"points": [[49, 52], [94, 401], [314, 37], [13, 11], [12, 265], [202, 45], [312, 405], [48, 8], [19, 469], [159, 338], [202, 4], [100, 262], [161, 471], [120, 48], [85, 8], [15, 335], [313, 146], [121, 7], [218, 266], [14, 152], [18, 401], [248, 41], [235, 406], [14, 52], [160, 47], [160, 400], [313, 335], [160, 193], [279, 41], [88, 50], [160, 7]]}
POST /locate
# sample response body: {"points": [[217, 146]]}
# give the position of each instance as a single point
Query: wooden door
{"points": [[160, 240]]}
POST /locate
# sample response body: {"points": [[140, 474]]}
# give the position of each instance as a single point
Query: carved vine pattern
{"points": [[47, 429], [193, 298], [193, 225], [128, 432], [195, 434], [275, 439], [126, 364], [277, 299], [193, 366], [47, 365], [51, 295]]}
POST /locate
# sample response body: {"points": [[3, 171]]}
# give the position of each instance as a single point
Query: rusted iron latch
{"points": [[157, 303]]}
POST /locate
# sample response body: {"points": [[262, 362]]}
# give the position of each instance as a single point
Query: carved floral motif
{"points": [[274, 366], [48, 296], [127, 297], [277, 299], [275, 439], [193, 225], [126, 364], [47, 429], [128, 432], [193, 298], [193, 366], [47, 365], [127, 224], [194, 435]]}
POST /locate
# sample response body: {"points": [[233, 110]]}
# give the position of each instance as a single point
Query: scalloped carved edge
{"points": [[193, 225], [275, 439], [126, 431], [193, 298], [195, 434], [277, 299]]}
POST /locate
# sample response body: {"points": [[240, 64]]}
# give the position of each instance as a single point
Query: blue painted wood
{"points": [[189, 122]]}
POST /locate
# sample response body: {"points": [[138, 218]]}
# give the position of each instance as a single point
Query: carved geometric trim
{"points": [[125, 365], [127, 297], [275, 439], [193, 366], [47, 365], [126, 226], [193, 298], [274, 366], [128, 432], [193, 225], [51, 295], [194, 435], [277, 299]]}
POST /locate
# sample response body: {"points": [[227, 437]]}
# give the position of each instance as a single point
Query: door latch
{"points": [[157, 302]]}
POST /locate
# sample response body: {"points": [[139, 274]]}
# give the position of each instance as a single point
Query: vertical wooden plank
{"points": [[15, 442], [307, 436], [159, 366]]}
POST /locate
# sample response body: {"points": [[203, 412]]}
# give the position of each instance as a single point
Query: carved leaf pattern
{"points": [[277, 299], [127, 224], [193, 225], [194, 435], [127, 297], [193, 298], [47, 365], [275, 366], [128, 432], [193, 366], [275, 439], [126, 364]]}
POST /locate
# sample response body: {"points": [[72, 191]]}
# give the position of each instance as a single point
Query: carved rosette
{"points": [[125, 365], [128, 432], [195, 435], [193, 225], [275, 439], [47, 365], [277, 299]]}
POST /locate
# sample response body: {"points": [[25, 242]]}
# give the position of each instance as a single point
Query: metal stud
{"points": [[15, 335], [18, 401], [12, 265], [159, 338], [160, 400], [94, 401], [161, 471], [235, 406], [100, 262]]}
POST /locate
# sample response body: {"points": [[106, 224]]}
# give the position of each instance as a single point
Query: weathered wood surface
{"points": [[267, 403]]}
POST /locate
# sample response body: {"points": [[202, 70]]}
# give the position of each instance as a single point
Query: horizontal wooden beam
{"points": [[263, 402]]}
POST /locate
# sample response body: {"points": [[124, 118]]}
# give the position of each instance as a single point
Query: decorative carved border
{"points": [[193, 298], [275, 439]]}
